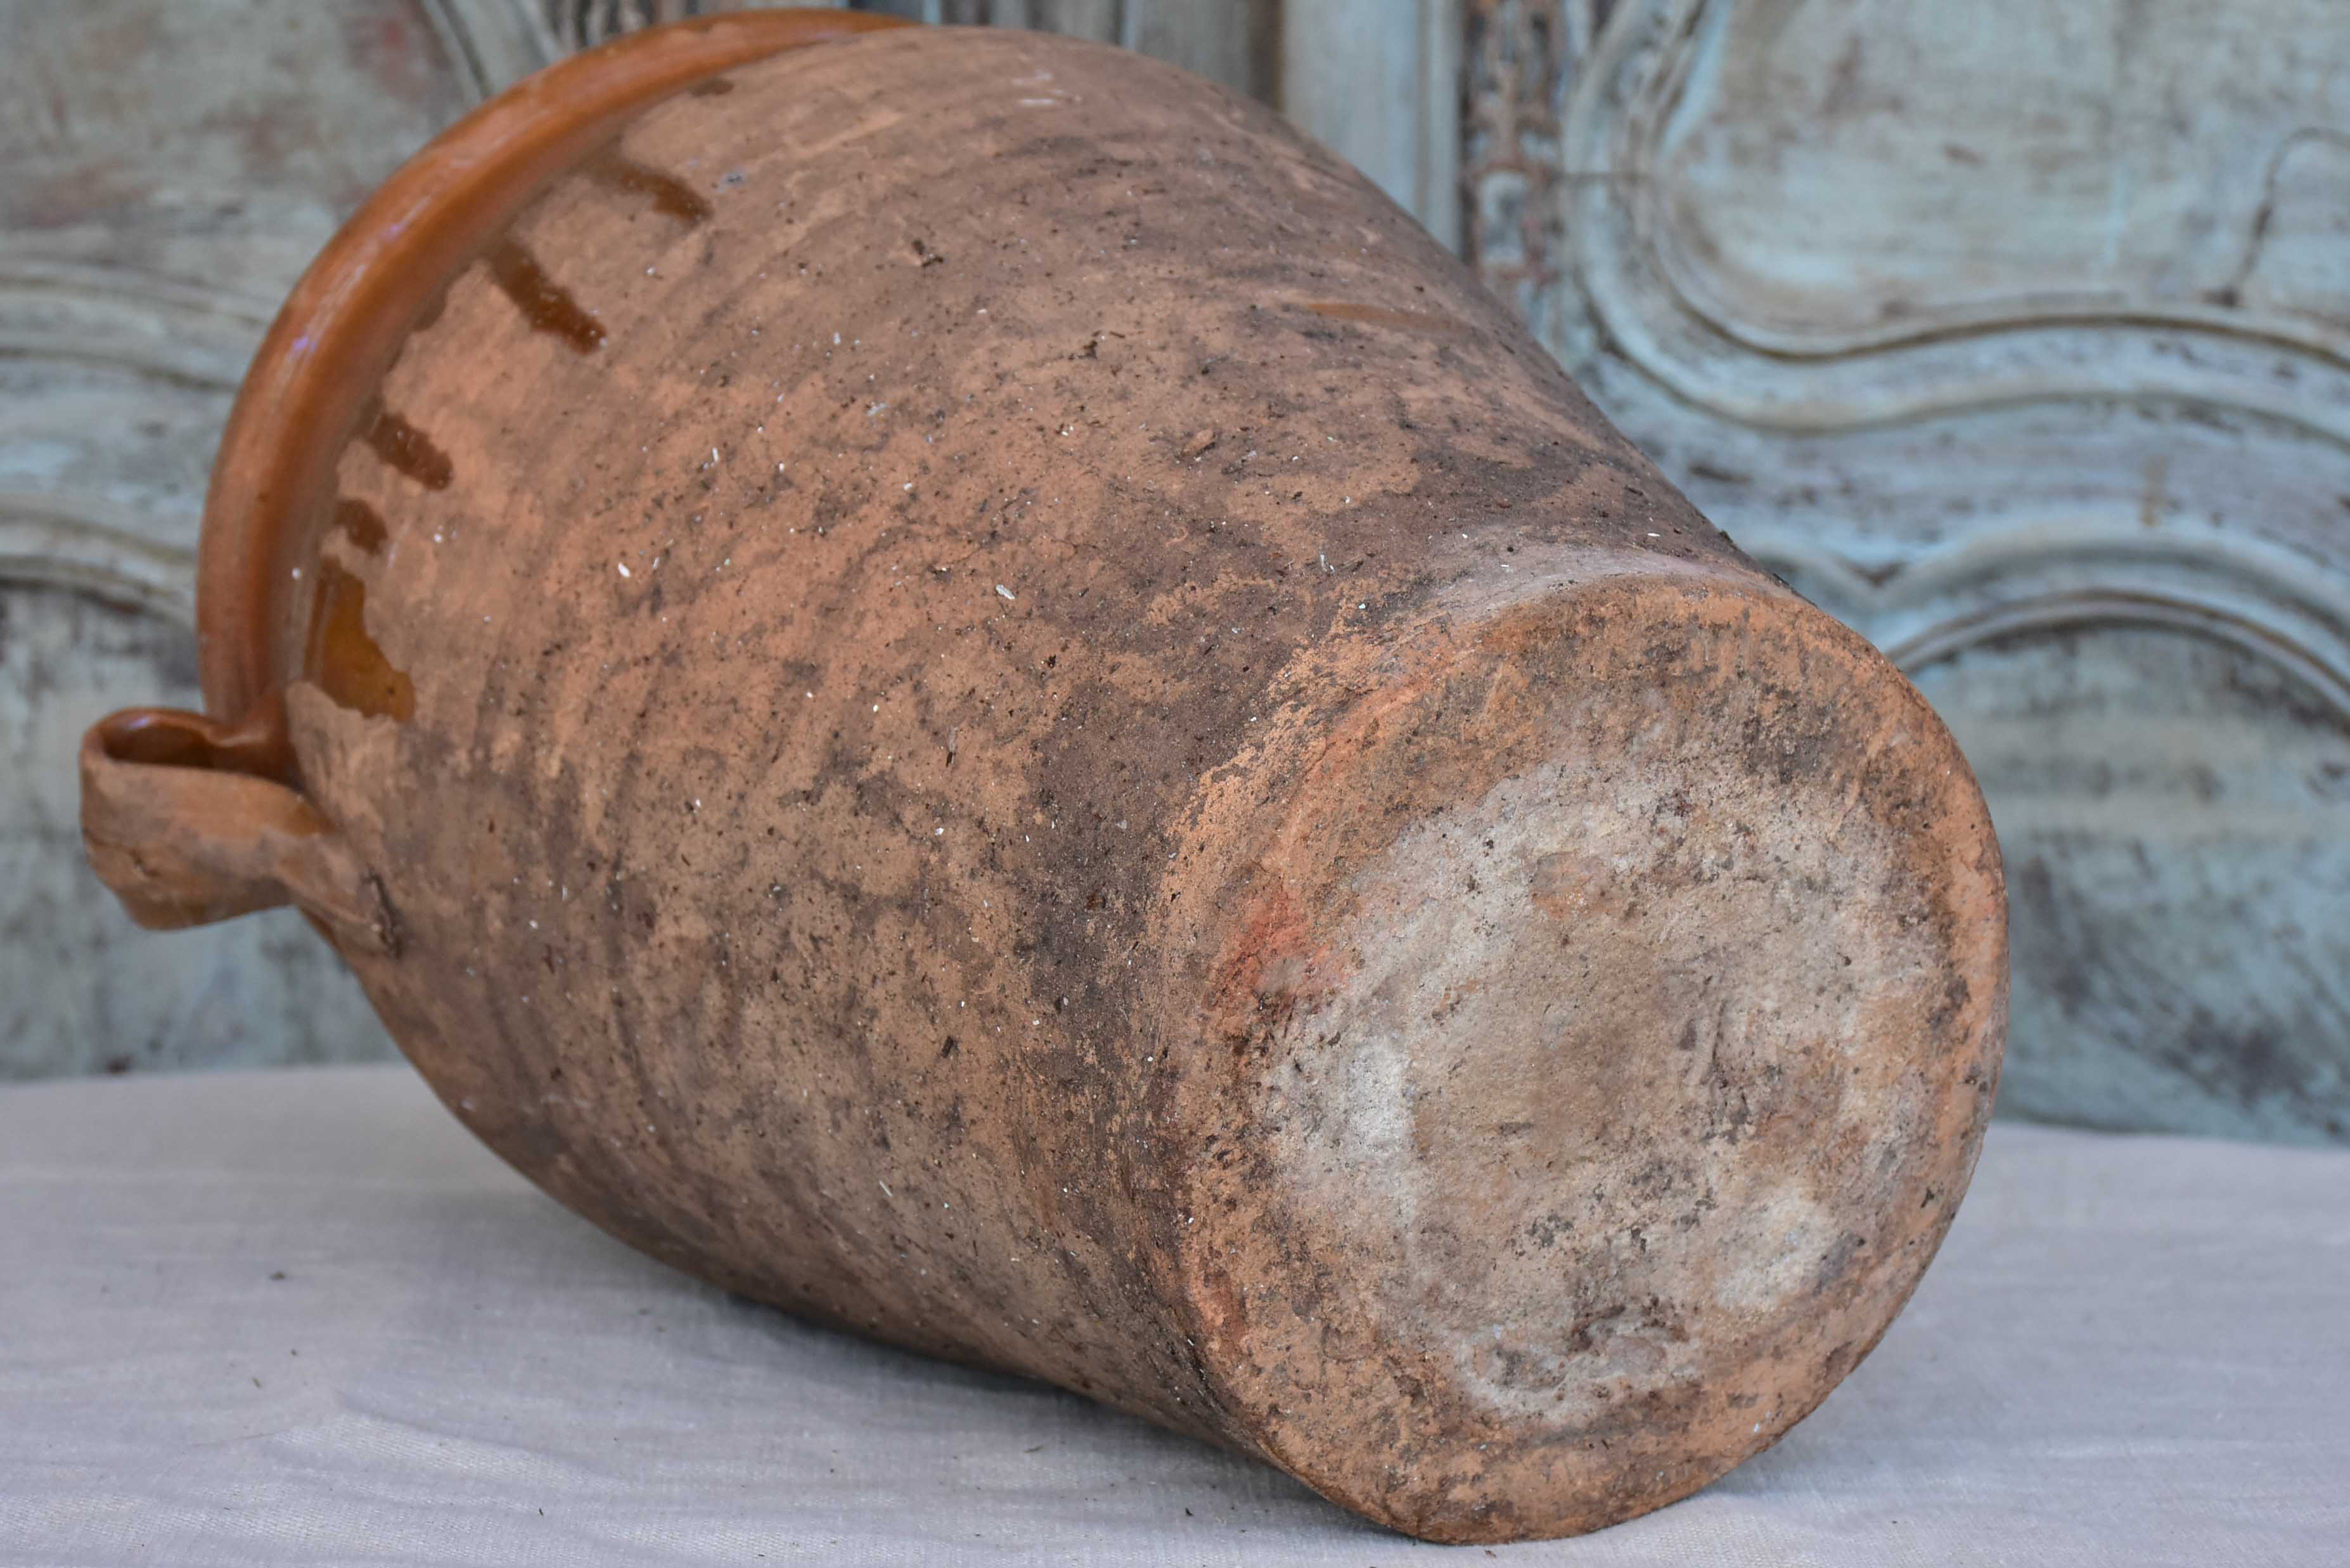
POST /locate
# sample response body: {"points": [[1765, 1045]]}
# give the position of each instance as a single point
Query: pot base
{"points": [[1606, 1084]]}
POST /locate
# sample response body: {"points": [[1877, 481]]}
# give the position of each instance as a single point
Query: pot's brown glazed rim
{"points": [[343, 324]]}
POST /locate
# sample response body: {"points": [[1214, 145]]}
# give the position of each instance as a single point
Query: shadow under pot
{"points": [[950, 679]]}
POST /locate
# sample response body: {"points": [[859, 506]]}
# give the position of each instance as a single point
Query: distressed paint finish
{"points": [[1234, 43], [1379, 81], [1056, 740], [2015, 335]]}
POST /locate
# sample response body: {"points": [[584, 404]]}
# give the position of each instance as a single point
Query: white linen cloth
{"points": [[300, 1317]]}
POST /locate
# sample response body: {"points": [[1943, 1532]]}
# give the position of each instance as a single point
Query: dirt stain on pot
{"points": [[343, 661], [546, 304]]}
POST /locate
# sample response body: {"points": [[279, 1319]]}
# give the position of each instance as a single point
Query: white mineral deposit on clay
{"points": [[1507, 933]]}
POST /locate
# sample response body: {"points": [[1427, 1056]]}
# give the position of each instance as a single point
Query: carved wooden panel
{"points": [[1235, 42], [2019, 336]]}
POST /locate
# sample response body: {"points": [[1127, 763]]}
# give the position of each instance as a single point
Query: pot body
{"points": [[962, 685]]}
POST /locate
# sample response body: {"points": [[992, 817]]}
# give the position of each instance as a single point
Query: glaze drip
{"points": [[408, 449], [546, 304], [343, 661]]}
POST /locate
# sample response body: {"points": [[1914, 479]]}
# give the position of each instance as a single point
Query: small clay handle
{"points": [[190, 820]]}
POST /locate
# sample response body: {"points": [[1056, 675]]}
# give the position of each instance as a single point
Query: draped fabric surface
{"points": [[300, 1317]]}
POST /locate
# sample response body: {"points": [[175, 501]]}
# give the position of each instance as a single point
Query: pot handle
{"points": [[188, 821]]}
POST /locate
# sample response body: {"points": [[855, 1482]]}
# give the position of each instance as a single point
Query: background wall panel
{"points": [[2017, 335]]}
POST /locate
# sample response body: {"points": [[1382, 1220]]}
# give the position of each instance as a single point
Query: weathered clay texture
{"points": [[992, 703]]}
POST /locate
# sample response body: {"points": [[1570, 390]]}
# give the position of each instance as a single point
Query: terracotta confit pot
{"points": [[953, 681]]}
